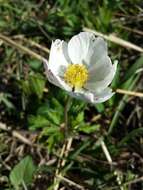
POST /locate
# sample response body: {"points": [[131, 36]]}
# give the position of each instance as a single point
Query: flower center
{"points": [[76, 75]]}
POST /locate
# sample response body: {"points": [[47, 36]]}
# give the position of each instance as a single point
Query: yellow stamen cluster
{"points": [[76, 75]]}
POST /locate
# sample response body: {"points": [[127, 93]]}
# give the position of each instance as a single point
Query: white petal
{"points": [[93, 97], [103, 96], [55, 79], [99, 51], [82, 95], [80, 47], [58, 59], [85, 48], [101, 75]]}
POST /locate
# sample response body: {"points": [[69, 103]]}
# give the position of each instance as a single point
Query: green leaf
{"points": [[53, 116], [80, 117], [133, 134], [22, 172], [4, 99], [131, 84], [54, 135], [35, 64], [34, 85], [3, 23], [89, 128], [51, 130], [137, 65], [80, 148], [37, 84], [116, 80], [100, 107], [36, 122]]}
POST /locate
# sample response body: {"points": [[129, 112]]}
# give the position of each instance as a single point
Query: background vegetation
{"points": [[32, 109]]}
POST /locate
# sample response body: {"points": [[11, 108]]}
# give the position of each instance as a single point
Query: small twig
{"points": [[95, 161], [12, 148], [43, 31], [131, 30], [134, 181], [62, 160], [32, 43], [106, 152], [127, 183], [20, 47], [15, 134], [116, 40], [62, 188], [65, 149], [72, 183], [61, 156], [132, 93], [96, 118], [109, 159], [21, 137], [5, 164]]}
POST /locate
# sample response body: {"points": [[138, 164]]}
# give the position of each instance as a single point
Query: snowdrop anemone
{"points": [[82, 67]]}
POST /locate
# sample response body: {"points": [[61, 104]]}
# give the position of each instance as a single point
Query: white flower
{"points": [[82, 67]]}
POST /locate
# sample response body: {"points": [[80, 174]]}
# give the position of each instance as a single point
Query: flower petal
{"points": [[103, 95], [55, 79], [85, 48], [101, 75], [79, 46], [58, 59], [93, 97], [99, 51]]}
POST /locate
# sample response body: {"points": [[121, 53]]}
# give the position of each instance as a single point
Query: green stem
{"points": [[66, 115], [24, 185]]}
